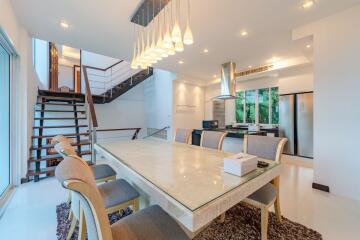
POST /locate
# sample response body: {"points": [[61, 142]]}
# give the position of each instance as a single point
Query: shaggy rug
{"points": [[242, 222]]}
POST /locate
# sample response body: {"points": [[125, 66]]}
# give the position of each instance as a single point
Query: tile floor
{"points": [[31, 211]]}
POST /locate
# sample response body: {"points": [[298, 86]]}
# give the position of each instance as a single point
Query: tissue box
{"points": [[240, 164]]}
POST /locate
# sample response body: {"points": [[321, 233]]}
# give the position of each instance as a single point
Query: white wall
{"points": [[296, 79], [188, 105], [24, 89], [66, 76], [336, 101], [41, 58], [127, 111], [158, 91]]}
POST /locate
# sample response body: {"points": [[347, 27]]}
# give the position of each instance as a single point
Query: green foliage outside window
{"points": [[250, 106], [239, 107], [263, 98], [268, 106], [274, 95]]}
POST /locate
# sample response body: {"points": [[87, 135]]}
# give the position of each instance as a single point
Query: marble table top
{"points": [[191, 175]]}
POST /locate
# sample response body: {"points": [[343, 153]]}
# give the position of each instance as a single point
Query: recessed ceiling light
{"points": [[308, 4], [206, 50], [244, 33], [249, 66], [308, 46], [181, 62], [64, 24], [215, 76]]}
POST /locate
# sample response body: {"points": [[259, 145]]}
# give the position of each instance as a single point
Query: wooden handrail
{"points": [[89, 98]]}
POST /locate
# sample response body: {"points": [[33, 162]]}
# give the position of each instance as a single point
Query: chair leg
{"points": [[136, 205], [222, 218], [276, 183], [72, 228], [264, 222], [71, 215], [82, 226]]}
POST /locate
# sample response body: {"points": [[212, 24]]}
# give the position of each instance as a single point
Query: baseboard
{"points": [[321, 187]]}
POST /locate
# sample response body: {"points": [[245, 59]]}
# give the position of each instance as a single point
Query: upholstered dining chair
{"points": [[148, 224], [212, 139], [102, 172], [270, 148], [182, 135], [116, 195]]}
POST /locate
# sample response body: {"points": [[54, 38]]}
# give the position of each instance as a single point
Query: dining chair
{"points": [[102, 172], [182, 135], [212, 139], [148, 224], [116, 195], [270, 148]]}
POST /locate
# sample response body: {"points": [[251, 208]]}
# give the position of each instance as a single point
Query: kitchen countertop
{"points": [[233, 133]]}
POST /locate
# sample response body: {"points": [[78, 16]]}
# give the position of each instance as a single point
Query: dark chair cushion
{"points": [[264, 195], [117, 192], [151, 223], [102, 171]]}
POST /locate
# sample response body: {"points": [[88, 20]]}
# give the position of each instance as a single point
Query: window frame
{"points": [[257, 106]]}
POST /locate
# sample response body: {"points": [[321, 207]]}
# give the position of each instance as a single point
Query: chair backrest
{"points": [[212, 139], [77, 176], [266, 147], [182, 135], [65, 149]]}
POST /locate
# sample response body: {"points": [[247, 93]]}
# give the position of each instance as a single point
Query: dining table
{"points": [[187, 181]]}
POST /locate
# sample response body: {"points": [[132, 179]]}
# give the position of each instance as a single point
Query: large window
{"points": [[4, 120], [258, 106]]}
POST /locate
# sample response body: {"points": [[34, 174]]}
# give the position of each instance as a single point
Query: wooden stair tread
{"points": [[65, 135], [61, 126], [54, 157], [60, 118], [42, 171], [60, 104], [38, 110], [47, 146], [59, 98]]}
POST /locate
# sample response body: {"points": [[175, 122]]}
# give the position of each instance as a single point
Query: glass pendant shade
{"points": [[176, 33], [188, 36], [179, 47], [171, 50], [167, 40]]}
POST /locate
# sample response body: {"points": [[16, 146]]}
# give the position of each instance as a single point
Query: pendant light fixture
{"points": [[159, 35], [188, 36], [176, 31]]}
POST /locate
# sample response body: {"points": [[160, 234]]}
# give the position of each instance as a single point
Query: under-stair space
{"points": [[56, 113]]}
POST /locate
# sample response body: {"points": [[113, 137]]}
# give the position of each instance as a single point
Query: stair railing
{"points": [[156, 132], [102, 81], [91, 115]]}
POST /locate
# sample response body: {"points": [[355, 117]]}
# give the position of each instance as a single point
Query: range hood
{"points": [[228, 81]]}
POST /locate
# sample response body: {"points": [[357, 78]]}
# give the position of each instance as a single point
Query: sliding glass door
{"points": [[4, 120]]}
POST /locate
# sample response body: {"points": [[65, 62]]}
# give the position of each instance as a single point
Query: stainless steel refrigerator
{"points": [[296, 123]]}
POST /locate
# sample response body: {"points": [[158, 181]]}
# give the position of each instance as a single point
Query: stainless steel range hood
{"points": [[228, 81]]}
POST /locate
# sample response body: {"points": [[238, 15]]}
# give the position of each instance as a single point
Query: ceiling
{"points": [[103, 27]]}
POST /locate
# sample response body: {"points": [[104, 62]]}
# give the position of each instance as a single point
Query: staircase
{"points": [[121, 88], [56, 113], [66, 114]]}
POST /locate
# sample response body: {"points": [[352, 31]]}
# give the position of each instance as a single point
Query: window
{"points": [[4, 120], [239, 103], [263, 98], [274, 96], [250, 106], [258, 106]]}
